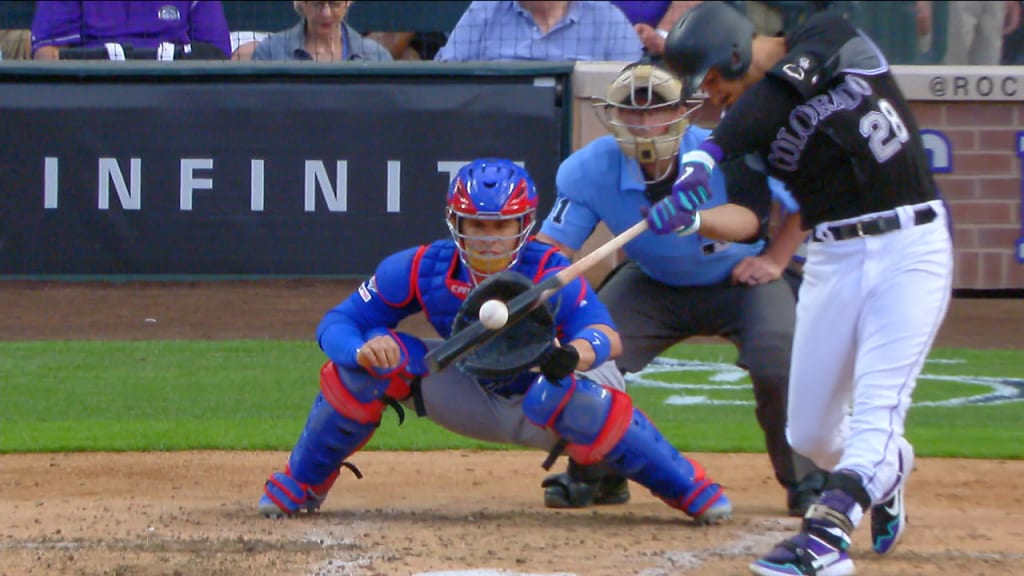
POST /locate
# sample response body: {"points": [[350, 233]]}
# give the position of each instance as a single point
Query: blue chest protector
{"points": [[441, 293], [442, 282]]}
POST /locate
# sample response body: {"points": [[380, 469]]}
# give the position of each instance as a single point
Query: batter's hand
{"points": [[690, 191], [380, 352], [754, 270], [663, 218]]}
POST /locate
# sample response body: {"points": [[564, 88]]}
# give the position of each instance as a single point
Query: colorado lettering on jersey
{"points": [[791, 140]]}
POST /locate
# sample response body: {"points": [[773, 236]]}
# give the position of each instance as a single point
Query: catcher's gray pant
{"points": [[651, 317], [456, 401]]}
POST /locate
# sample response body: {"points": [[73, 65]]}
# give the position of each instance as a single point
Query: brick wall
{"points": [[983, 187]]}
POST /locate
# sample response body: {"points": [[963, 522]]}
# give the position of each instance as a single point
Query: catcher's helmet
{"points": [[711, 35], [491, 189], [642, 87]]}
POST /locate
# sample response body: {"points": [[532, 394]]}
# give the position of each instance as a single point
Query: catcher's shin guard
{"points": [[601, 424], [345, 415], [646, 457], [327, 440]]}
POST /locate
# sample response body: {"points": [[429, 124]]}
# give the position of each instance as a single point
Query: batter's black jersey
{"points": [[830, 122]]}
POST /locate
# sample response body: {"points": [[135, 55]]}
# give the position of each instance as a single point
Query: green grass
{"points": [[254, 395]]}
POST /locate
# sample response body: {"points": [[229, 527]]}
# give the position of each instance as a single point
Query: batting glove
{"points": [[677, 211], [668, 220]]}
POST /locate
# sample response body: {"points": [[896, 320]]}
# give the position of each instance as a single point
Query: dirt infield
{"points": [[413, 513]]}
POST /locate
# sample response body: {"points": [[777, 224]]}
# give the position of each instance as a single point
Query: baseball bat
{"points": [[476, 335]]}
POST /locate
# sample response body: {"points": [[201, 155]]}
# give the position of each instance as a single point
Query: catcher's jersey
{"points": [[433, 279], [848, 145]]}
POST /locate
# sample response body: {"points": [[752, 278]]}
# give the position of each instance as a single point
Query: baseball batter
{"points": [[491, 207], [720, 282], [819, 109]]}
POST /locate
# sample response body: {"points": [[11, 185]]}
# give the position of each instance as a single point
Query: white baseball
{"points": [[493, 314]]}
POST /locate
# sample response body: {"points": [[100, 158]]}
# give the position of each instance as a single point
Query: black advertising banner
{"points": [[251, 176]]}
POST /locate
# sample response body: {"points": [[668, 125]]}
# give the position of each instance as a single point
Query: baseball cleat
{"points": [[564, 491], [285, 497], [720, 511], [822, 546], [820, 551], [889, 519]]}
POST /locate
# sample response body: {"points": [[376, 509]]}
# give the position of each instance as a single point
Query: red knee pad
{"points": [[339, 397]]}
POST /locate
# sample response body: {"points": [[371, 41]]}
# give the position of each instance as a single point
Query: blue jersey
{"points": [[599, 183], [433, 279]]}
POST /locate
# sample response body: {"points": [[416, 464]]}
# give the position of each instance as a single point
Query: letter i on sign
{"points": [[1020, 239]]}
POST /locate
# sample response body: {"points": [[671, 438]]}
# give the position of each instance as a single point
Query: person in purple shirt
{"points": [[552, 31], [141, 24], [652, 20]]}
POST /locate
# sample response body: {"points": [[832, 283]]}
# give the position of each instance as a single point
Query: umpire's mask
{"points": [[644, 110]]}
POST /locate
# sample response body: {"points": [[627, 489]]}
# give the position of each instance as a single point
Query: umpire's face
{"points": [[648, 119]]}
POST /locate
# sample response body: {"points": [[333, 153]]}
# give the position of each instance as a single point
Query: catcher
{"points": [[523, 387]]}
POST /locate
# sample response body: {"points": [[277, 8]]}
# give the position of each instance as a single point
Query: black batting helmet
{"points": [[710, 35]]}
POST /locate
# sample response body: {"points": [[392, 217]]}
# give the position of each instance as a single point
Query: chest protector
{"points": [[442, 282]]}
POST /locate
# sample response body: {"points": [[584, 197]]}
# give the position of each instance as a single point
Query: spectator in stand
{"points": [[1013, 46], [539, 30], [321, 35], [976, 31], [652, 20], [16, 44], [244, 42], [410, 45], [198, 25]]}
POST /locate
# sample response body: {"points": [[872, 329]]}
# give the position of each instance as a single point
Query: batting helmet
{"points": [[711, 35], [491, 189], [640, 88]]}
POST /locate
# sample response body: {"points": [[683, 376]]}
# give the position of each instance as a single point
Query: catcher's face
{"points": [[490, 244]]}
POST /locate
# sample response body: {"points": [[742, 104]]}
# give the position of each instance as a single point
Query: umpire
{"points": [[725, 281]]}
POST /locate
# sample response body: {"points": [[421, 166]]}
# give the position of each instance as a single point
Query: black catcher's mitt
{"points": [[520, 346]]}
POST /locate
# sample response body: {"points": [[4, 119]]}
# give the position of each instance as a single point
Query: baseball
{"points": [[493, 314]]}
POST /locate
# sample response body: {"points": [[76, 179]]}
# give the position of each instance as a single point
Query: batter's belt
{"points": [[876, 226]]}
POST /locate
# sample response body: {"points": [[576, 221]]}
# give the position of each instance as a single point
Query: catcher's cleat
{"points": [[720, 511], [284, 497], [564, 491]]}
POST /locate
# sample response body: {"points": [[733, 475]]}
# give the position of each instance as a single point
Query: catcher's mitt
{"points": [[520, 346]]}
